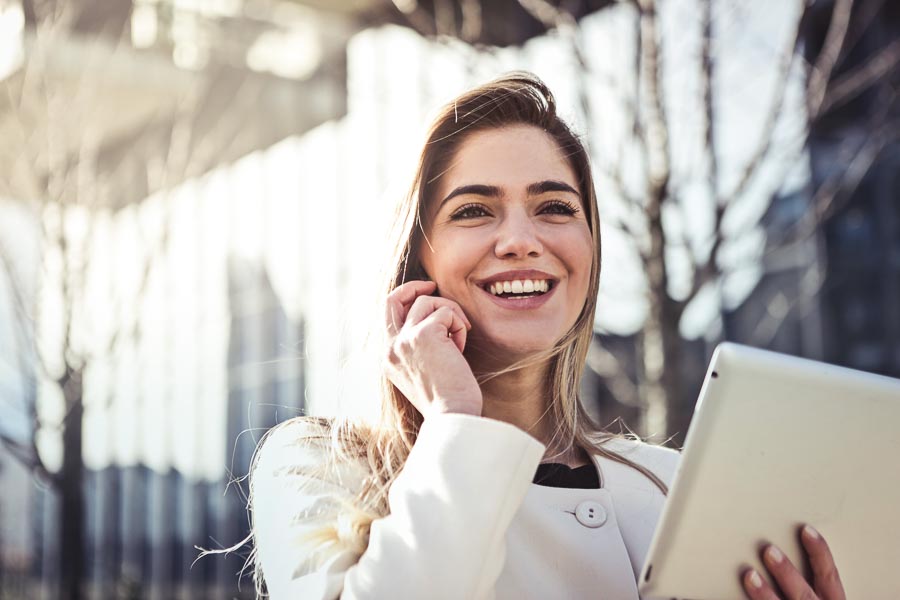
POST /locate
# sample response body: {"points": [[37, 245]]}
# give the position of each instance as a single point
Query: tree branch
{"points": [[782, 77], [861, 17], [549, 16], [656, 126], [27, 456], [850, 85], [707, 271], [605, 364], [833, 194], [820, 73], [472, 21], [706, 84], [780, 307]]}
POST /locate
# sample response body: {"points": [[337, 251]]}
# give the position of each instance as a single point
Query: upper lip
{"points": [[513, 275]]}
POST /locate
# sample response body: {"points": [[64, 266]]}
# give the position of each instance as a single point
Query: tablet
{"points": [[777, 441]]}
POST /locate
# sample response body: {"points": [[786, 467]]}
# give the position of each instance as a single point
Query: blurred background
{"points": [[194, 196]]}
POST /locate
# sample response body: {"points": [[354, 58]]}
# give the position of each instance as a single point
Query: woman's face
{"points": [[508, 240]]}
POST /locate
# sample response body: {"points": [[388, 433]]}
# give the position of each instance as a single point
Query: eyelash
{"points": [[564, 208], [465, 212], [468, 211]]}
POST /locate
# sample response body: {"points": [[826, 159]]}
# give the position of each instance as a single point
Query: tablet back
{"points": [[777, 441]]}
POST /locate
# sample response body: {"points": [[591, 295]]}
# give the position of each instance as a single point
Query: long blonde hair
{"points": [[514, 99]]}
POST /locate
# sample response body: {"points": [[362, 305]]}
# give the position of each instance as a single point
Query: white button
{"points": [[590, 514]]}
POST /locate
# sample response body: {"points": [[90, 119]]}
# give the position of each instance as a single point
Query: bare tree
{"points": [[59, 171], [659, 190]]}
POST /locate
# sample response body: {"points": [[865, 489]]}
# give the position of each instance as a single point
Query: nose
{"points": [[517, 237]]}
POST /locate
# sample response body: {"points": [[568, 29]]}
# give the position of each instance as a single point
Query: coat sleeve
{"points": [[450, 507]]}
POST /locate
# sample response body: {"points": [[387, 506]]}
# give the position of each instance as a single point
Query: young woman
{"points": [[484, 476]]}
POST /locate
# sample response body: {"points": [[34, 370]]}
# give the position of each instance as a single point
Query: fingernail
{"points": [[774, 554], [811, 533], [755, 579]]}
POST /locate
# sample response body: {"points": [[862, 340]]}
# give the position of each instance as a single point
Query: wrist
{"points": [[465, 407]]}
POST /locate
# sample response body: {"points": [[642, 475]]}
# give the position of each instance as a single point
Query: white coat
{"points": [[465, 520]]}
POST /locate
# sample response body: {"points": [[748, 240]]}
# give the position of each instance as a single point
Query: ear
{"points": [[414, 271], [421, 274]]}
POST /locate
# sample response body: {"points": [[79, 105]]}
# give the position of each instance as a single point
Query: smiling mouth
{"points": [[519, 288]]}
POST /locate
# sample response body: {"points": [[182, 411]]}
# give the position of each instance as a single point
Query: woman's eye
{"points": [[469, 211], [559, 207]]}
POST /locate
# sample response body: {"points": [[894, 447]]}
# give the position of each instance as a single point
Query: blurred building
{"points": [[167, 91], [144, 526], [831, 289], [265, 387]]}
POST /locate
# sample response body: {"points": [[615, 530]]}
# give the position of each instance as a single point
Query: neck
{"points": [[520, 398]]}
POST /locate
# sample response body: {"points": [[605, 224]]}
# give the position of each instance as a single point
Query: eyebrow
{"points": [[493, 191], [542, 187]]}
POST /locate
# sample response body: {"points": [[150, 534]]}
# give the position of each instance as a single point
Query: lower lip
{"points": [[529, 303]]}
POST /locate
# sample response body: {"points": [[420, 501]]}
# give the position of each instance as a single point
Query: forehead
{"points": [[509, 157]]}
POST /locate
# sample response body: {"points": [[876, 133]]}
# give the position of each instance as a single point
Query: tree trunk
{"points": [[660, 380], [660, 340], [680, 404], [2, 592], [71, 492]]}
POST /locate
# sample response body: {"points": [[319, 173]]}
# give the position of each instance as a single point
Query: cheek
{"points": [[579, 253], [425, 263], [446, 260], [580, 257], [434, 256]]}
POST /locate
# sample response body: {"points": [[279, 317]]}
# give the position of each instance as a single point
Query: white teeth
{"points": [[519, 286]]}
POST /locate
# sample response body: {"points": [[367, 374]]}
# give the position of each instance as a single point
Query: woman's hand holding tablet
{"points": [[777, 442], [826, 581]]}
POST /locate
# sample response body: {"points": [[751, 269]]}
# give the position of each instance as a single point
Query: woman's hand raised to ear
{"points": [[426, 336]]}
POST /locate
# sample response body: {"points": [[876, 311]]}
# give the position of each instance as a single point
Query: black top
{"points": [[584, 477]]}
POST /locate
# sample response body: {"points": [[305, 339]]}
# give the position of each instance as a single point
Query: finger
{"points": [[826, 579], [789, 579], [458, 331], [756, 587], [425, 305], [447, 320], [401, 298]]}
